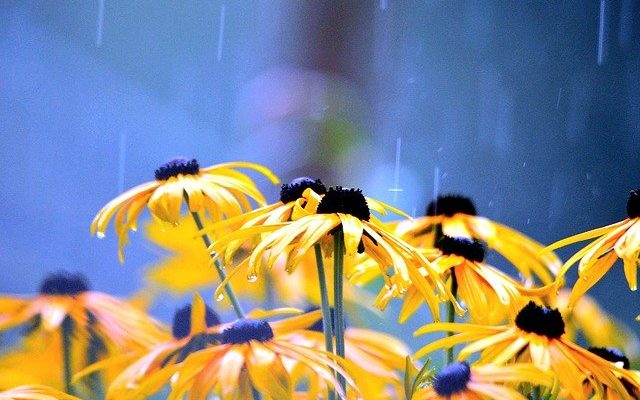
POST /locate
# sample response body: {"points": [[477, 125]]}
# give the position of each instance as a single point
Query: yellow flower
{"points": [[188, 268], [66, 297], [456, 216], [350, 211], [490, 295], [35, 392], [296, 197], [619, 240], [460, 381], [219, 190], [618, 358], [536, 337], [229, 360], [375, 360], [596, 325]]}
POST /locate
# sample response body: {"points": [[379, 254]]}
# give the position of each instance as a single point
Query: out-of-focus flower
{"points": [[35, 392], [618, 358], [455, 216], [375, 360], [619, 240], [598, 327], [461, 381], [490, 295], [219, 190], [349, 211], [536, 337]]}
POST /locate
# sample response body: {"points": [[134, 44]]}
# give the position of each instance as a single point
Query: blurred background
{"points": [[531, 108]]}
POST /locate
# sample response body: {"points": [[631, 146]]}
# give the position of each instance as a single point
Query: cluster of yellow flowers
{"points": [[517, 334]]}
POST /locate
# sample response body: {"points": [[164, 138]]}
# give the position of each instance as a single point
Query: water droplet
{"points": [[288, 269], [252, 277], [100, 235], [220, 297]]}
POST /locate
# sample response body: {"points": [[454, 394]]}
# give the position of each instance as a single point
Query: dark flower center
{"points": [[245, 330], [611, 354], [633, 204], [346, 201], [452, 379], [177, 166], [450, 205], [182, 321], [64, 284], [470, 249], [541, 320], [292, 191]]}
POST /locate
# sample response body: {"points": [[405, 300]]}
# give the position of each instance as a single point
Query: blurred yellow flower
{"points": [[619, 240], [536, 337], [35, 392], [456, 216], [219, 190]]}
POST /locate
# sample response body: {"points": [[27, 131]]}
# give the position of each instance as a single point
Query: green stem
{"points": [[338, 298], [451, 313], [66, 329], [227, 288], [326, 309]]}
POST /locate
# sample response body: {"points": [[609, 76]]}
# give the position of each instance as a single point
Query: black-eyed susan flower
{"points": [[461, 381], [35, 392], [619, 240], [220, 191], [248, 355], [618, 358], [87, 324], [535, 337], [296, 198], [455, 215], [491, 296], [349, 212], [596, 325]]}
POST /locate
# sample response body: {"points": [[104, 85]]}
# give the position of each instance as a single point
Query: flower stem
{"points": [[451, 313], [228, 289], [327, 324], [338, 298], [66, 329]]}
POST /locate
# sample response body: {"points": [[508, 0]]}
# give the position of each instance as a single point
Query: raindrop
{"points": [[220, 297], [100, 23], [383, 5], [524, 164], [100, 235], [559, 96], [396, 175], [252, 277], [601, 33], [221, 31]]}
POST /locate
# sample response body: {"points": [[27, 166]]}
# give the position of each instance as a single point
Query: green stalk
{"points": [[326, 310], [227, 288], [338, 298], [66, 329], [451, 313]]}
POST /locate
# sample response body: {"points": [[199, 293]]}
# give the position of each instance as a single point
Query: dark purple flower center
{"points": [[541, 320], [611, 354], [470, 249], [182, 321], [633, 204], [177, 166], [450, 205], [452, 379], [245, 330], [293, 190], [346, 201], [64, 284]]}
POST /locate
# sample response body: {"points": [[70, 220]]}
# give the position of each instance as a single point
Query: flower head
{"points": [[619, 240], [219, 190], [536, 337], [463, 381], [455, 215], [34, 392], [348, 211]]}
